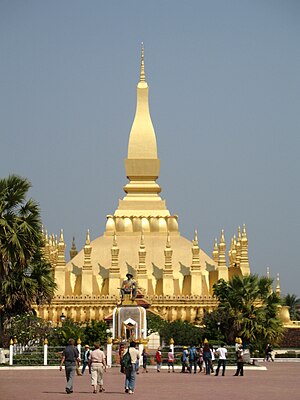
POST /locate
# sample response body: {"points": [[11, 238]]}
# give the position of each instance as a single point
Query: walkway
{"points": [[277, 382]]}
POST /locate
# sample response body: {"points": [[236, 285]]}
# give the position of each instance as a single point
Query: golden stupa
{"points": [[174, 276]]}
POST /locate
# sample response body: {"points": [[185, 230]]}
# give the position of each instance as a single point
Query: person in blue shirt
{"points": [[193, 359], [207, 357], [185, 360], [86, 358]]}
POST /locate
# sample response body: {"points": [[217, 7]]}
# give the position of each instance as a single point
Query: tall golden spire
{"points": [[230, 253], [114, 269], [142, 139], [215, 253], [73, 251], [142, 164], [142, 270], [238, 247], [46, 248], [222, 251], [233, 252], [87, 264], [195, 252], [244, 260], [168, 270], [61, 246]]}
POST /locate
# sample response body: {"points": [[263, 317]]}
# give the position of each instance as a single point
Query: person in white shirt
{"points": [[221, 351], [97, 363]]}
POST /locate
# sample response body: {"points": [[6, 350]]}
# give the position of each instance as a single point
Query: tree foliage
{"points": [[95, 331], [155, 323], [293, 303], [182, 332], [27, 328], [25, 277], [251, 308], [59, 335]]}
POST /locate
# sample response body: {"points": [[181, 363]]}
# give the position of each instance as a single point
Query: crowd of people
{"points": [[193, 359]]}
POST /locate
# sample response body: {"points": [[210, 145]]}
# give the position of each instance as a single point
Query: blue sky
{"points": [[224, 99]]}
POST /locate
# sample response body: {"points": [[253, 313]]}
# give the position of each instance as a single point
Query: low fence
{"points": [[43, 355], [32, 355], [39, 355]]}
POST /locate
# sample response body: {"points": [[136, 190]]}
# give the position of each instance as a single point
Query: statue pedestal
{"points": [[129, 322]]}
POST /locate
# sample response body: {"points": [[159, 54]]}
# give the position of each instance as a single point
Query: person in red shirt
{"points": [[158, 359]]}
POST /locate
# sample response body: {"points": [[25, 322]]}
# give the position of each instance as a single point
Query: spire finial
{"points": [[277, 285], [168, 240], [87, 239], [142, 75], [196, 236], [142, 238], [73, 251], [114, 239], [222, 238]]}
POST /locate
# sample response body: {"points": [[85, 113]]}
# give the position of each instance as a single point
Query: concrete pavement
{"points": [[277, 381]]}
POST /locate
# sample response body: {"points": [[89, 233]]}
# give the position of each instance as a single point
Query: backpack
{"points": [[126, 360]]}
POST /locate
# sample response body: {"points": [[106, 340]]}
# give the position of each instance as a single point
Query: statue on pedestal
{"points": [[128, 287]]}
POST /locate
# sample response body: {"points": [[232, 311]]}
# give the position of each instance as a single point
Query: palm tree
{"points": [[251, 307], [293, 303], [25, 277]]}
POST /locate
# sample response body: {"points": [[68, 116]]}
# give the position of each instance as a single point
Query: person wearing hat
{"points": [[185, 360], [86, 358], [128, 287]]}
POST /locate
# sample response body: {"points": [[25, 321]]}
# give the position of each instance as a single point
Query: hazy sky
{"points": [[224, 81]]}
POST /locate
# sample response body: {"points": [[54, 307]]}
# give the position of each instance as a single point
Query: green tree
{"points": [[95, 331], [155, 323], [27, 328], [183, 333], [251, 307], [215, 324], [25, 276], [60, 335], [293, 303]]}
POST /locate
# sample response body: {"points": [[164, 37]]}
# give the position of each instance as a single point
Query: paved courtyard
{"points": [[280, 381]]}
